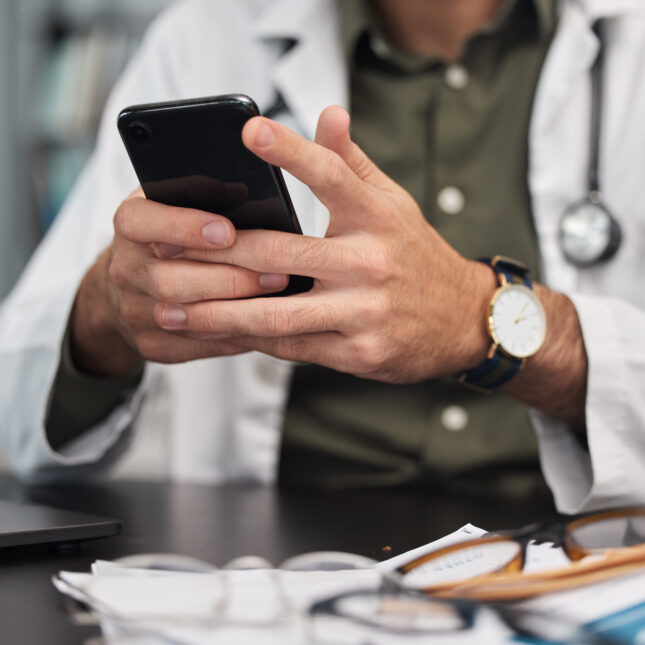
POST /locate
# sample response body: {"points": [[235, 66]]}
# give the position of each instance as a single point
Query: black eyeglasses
{"points": [[400, 615]]}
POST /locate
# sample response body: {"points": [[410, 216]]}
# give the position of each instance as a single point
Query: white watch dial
{"points": [[517, 320]]}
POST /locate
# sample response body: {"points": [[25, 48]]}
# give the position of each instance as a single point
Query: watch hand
{"points": [[519, 316], [525, 317]]}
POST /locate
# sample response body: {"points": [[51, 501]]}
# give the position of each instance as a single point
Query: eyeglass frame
{"points": [[553, 531]]}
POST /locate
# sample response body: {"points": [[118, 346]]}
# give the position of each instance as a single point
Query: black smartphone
{"points": [[190, 153]]}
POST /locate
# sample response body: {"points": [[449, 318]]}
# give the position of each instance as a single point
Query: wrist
{"points": [[555, 379], [482, 283]]}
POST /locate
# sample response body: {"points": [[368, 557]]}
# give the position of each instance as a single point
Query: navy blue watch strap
{"points": [[514, 272], [499, 367], [496, 370]]}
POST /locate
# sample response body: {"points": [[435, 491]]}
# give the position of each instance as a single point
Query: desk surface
{"points": [[219, 523]]}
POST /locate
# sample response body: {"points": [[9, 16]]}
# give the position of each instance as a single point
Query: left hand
{"points": [[391, 301]]}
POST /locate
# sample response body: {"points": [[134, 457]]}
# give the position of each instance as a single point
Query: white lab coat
{"points": [[218, 420]]}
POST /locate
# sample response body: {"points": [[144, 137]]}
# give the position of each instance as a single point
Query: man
{"points": [[393, 302]]}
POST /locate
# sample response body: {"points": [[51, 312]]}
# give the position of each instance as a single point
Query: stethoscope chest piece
{"points": [[588, 233]]}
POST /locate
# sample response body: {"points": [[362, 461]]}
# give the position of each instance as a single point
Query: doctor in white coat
{"points": [[220, 419]]}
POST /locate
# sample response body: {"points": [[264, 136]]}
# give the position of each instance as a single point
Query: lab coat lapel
{"points": [[570, 56], [311, 75]]}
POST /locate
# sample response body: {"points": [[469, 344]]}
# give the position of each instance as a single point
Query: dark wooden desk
{"points": [[220, 523]]}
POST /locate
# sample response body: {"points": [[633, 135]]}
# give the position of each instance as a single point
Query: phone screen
{"points": [[190, 154]]}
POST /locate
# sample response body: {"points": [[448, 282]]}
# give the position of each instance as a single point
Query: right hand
{"points": [[113, 326]]}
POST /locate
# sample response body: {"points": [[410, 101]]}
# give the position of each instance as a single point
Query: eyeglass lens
{"points": [[460, 564], [609, 532], [400, 612]]}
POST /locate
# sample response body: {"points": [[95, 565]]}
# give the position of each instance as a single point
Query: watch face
{"points": [[517, 320]]}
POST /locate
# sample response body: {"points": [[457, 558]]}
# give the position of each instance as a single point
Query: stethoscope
{"points": [[588, 233]]}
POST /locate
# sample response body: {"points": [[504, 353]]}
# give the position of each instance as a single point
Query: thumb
{"points": [[332, 132]]}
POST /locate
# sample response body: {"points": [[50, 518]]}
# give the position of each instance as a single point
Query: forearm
{"points": [[79, 401]]}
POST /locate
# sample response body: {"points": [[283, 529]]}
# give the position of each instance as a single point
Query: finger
{"points": [[164, 347], [183, 281], [286, 253], [265, 317], [328, 176], [144, 221], [327, 349], [333, 133]]}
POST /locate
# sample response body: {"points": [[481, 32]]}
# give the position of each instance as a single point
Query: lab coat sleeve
{"points": [[34, 316], [612, 472]]}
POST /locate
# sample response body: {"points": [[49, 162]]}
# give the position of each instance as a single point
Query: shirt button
{"points": [[454, 418], [456, 76], [380, 47], [451, 200]]}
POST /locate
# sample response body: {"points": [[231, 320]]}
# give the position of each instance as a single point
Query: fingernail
{"points": [[272, 280], [172, 316], [216, 233], [169, 250], [264, 135]]}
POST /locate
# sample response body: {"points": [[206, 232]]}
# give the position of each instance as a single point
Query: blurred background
{"points": [[58, 61]]}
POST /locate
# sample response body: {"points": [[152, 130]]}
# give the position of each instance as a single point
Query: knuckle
{"points": [[128, 311], [277, 321], [374, 310], [235, 286], [150, 345], [370, 354], [117, 273], [125, 216], [114, 273], [334, 175], [275, 252], [162, 284], [211, 320], [376, 263], [317, 253], [176, 228], [384, 268]]}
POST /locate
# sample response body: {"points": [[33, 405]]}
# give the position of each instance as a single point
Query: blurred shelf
{"points": [[69, 56]]}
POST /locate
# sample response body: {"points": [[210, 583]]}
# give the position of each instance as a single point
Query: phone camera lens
{"points": [[139, 130]]}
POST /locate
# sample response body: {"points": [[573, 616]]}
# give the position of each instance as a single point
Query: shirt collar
{"points": [[356, 19]]}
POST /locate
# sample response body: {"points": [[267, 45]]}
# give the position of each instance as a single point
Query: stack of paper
{"points": [[268, 606]]}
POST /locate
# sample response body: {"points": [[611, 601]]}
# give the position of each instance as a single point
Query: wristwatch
{"points": [[516, 323]]}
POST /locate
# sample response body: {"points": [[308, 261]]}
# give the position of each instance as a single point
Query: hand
{"points": [[391, 301], [113, 326]]}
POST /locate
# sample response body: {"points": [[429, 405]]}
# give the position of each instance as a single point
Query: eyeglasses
{"points": [[380, 611], [281, 598], [400, 616], [489, 567]]}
